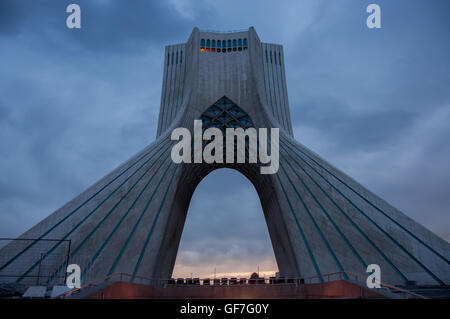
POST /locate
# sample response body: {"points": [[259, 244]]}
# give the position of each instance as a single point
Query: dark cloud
{"points": [[106, 25], [352, 130], [74, 104], [11, 17]]}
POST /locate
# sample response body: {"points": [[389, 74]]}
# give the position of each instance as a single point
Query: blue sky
{"points": [[74, 104]]}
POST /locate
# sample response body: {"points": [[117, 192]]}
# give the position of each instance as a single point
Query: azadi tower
{"points": [[319, 219]]}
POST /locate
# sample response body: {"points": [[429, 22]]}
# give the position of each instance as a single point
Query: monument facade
{"points": [[319, 219]]}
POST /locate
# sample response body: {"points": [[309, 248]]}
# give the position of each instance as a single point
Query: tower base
{"points": [[336, 289]]}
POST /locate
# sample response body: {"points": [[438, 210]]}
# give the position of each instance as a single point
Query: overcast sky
{"points": [[74, 104]]}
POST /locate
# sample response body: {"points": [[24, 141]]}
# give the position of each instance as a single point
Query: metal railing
{"points": [[359, 280]]}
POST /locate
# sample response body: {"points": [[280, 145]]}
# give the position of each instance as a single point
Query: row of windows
{"points": [[223, 45], [273, 58], [174, 58]]}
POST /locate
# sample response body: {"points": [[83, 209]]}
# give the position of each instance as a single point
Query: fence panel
{"points": [[33, 261]]}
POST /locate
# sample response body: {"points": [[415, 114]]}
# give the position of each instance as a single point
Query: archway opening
{"points": [[225, 233]]}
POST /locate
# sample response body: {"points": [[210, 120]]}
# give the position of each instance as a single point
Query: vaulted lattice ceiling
{"points": [[225, 113]]}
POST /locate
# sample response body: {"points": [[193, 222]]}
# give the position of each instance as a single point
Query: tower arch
{"points": [[320, 220]]}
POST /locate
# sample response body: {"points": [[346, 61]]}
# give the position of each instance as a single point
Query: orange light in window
{"points": [[207, 49], [202, 49]]}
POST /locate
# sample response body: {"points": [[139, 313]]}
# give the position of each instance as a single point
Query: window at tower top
{"points": [[202, 45], [232, 45]]}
